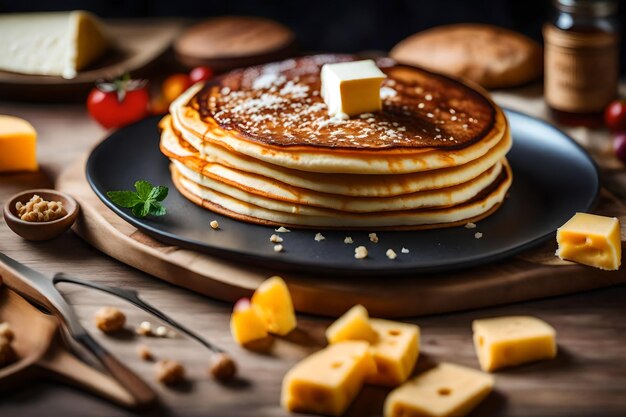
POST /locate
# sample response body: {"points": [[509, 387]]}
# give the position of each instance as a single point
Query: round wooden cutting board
{"points": [[534, 274]]}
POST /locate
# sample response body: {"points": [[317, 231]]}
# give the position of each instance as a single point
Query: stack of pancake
{"points": [[259, 146]]}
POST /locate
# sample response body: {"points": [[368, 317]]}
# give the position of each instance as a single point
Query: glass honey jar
{"points": [[581, 60]]}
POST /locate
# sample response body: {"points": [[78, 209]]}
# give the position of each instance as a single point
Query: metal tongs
{"points": [[40, 290], [223, 367]]}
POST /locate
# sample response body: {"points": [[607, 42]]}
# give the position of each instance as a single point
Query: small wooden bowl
{"points": [[40, 230]]}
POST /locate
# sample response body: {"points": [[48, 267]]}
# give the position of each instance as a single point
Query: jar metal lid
{"points": [[598, 8]]}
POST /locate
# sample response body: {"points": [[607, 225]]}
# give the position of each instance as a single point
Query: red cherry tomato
{"points": [[615, 116], [200, 74], [119, 103], [175, 85]]}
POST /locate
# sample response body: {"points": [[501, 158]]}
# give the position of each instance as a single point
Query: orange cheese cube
{"points": [[273, 304], [18, 141], [395, 352], [446, 390], [353, 325], [327, 381], [513, 340], [591, 240], [245, 323]]}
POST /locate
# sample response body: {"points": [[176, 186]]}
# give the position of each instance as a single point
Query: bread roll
{"points": [[491, 56]]}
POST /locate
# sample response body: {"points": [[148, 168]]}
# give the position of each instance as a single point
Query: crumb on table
{"points": [[169, 372], [110, 319], [223, 367], [144, 329], [144, 353]]}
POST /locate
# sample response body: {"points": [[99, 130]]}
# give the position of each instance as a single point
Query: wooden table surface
{"points": [[587, 378]]}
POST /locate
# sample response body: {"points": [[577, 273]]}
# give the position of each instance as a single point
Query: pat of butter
{"points": [[327, 381], [245, 323], [273, 303], [444, 391], [353, 325], [514, 340], [591, 240], [395, 352], [352, 88], [18, 141]]}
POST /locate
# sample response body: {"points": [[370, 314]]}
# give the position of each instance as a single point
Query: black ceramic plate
{"points": [[552, 179]]}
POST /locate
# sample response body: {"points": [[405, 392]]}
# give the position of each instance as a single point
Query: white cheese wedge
{"points": [[57, 43]]}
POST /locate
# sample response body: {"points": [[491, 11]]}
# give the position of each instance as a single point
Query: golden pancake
{"points": [[424, 124], [279, 196], [472, 211], [215, 159]]}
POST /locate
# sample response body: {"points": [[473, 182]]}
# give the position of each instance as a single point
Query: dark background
{"points": [[333, 25]]}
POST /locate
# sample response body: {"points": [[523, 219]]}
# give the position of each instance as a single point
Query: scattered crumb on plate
{"points": [[319, 237], [348, 240], [373, 237], [478, 235], [404, 250], [470, 225], [391, 254], [282, 229], [278, 248], [276, 239], [360, 252], [214, 225]]}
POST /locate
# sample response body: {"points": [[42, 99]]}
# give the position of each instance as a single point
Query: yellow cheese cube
{"points": [[352, 88], [245, 323], [510, 341], [591, 240], [18, 140], [273, 303], [395, 352], [446, 390], [353, 325], [328, 381]]}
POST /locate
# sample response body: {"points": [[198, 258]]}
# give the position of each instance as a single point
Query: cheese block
{"points": [[352, 88], [245, 323], [447, 390], [395, 352], [327, 381], [18, 142], [273, 303], [514, 340], [57, 43], [353, 325], [591, 240]]}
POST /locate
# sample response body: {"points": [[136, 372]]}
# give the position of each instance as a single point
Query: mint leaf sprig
{"points": [[144, 201]]}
